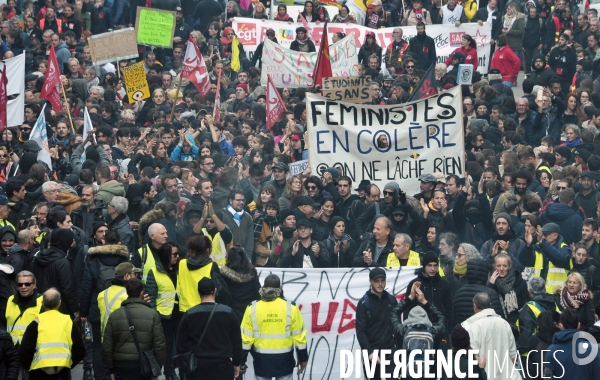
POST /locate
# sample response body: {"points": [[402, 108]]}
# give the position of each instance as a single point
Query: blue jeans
{"points": [[519, 53], [509, 84]]}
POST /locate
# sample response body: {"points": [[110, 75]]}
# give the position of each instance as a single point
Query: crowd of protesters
{"points": [[162, 186]]}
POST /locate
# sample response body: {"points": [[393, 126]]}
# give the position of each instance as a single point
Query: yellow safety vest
{"points": [[219, 251], [4, 223], [187, 284], [41, 237], [273, 327], [149, 264], [441, 270], [165, 300], [555, 276], [110, 300], [53, 348], [414, 260], [17, 321]]}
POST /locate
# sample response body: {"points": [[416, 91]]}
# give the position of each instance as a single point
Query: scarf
{"points": [[342, 19], [269, 294], [574, 302], [460, 270], [510, 235], [574, 143], [302, 42], [224, 39], [490, 11], [237, 216], [287, 232], [285, 17], [505, 286], [258, 224]]}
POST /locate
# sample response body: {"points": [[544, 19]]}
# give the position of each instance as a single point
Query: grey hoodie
{"points": [[417, 316]]}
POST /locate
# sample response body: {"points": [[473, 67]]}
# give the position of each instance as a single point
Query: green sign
{"points": [[155, 27]]}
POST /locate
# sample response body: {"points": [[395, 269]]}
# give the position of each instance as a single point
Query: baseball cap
{"points": [[3, 200], [296, 137], [428, 178], [31, 146], [303, 222], [307, 201], [206, 286], [281, 166], [124, 268], [376, 273]]}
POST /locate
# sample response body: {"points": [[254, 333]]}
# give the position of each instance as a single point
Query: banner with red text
{"points": [[447, 38], [328, 299]]}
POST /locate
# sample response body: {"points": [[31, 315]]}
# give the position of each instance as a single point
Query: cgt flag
{"points": [[194, 68], [323, 66], [50, 90], [275, 105], [427, 87]]}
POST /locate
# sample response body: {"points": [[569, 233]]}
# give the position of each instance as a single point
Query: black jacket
{"points": [[563, 63], [437, 319], [423, 50], [371, 244], [243, 288], [296, 261], [18, 211], [476, 234], [9, 357], [85, 219], [482, 14], [528, 321], [374, 329], [477, 277], [535, 30], [19, 258], [309, 48], [520, 288], [591, 275], [437, 291], [52, 268]]}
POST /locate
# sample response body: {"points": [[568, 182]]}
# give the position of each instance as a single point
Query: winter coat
{"points": [[243, 288], [515, 245], [19, 258], [514, 37], [476, 234], [541, 77], [18, 211], [102, 20], [371, 244], [569, 221], [437, 319], [585, 312], [296, 261], [9, 357], [52, 269], [220, 198], [470, 56], [520, 289], [507, 62], [374, 329], [34, 194], [437, 291], [590, 273], [110, 189], [125, 232], [477, 277], [85, 219], [563, 63], [534, 128], [153, 216], [482, 14], [365, 52], [559, 358], [535, 30], [528, 320], [118, 344], [308, 47], [343, 260], [423, 50], [186, 231]]}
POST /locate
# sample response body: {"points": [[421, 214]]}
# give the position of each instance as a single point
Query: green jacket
{"points": [[118, 345], [110, 189]]}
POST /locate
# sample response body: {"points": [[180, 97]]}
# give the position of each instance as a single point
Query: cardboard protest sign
{"points": [[294, 69], [155, 27], [347, 89], [298, 167], [387, 143], [117, 45], [136, 83], [252, 32]]}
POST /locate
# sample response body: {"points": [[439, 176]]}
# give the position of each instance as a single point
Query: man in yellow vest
{"points": [[527, 322], [52, 344], [110, 299], [148, 254], [24, 307], [402, 255], [281, 322]]}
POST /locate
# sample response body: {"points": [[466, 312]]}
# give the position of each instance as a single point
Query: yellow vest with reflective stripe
{"points": [[4, 223], [555, 276], [187, 284], [53, 348], [414, 260], [165, 300], [273, 327], [110, 300], [16, 323], [149, 264], [219, 251]]}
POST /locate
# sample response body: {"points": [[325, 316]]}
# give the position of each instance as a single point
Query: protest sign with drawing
{"points": [[136, 83], [112, 46], [154, 27]]}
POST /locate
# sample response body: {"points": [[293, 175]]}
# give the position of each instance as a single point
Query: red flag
{"points": [[323, 66], [306, 25], [194, 68], [275, 105], [427, 87], [217, 111], [3, 99], [50, 89]]}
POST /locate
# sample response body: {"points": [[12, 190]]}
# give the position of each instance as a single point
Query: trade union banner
{"points": [[387, 143], [447, 38], [328, 300], [289, 68]]}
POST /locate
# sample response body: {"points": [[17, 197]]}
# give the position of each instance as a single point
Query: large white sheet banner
{"points": [[328, 299], [290, 68], [387, 143], [252, 32], [15, 76]]}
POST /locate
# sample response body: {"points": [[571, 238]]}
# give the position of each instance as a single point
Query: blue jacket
{"points": [[569, 221], [226, 147], [178, 155], [560, 358]]}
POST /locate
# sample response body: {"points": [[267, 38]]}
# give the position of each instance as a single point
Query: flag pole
{"points": [[67, 104], [219, 93], [176, 95]]}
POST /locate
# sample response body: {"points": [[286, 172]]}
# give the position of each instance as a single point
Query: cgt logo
{"points": [[246, 33], [456, 38]]}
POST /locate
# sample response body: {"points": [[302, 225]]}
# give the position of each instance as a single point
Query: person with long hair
{"points": [[573, 113], [468, 47], [293, 189], [267, 193], [260, 12], [309, 12], [510, 286], [369, 48], [514, 29], [264, 227], [242, 280], [506, 61], [582, 264], [321, 228], [576, 296], [344, 16], [430, 241], [282, 14]]}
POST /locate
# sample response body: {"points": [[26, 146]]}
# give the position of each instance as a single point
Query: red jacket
{"points": [[470, 54], [507, 62]]}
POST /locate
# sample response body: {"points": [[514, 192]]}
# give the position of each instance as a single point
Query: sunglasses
{"points": [[410, 67], [388, 193], [24, 284], [311, 187], [3, 156], [561, 187]]}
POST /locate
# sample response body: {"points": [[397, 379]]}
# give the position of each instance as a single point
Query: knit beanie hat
{"points": [[61, 238], [504, 215], [393, 186], [460, 338], [430, 257], [564, 151]]}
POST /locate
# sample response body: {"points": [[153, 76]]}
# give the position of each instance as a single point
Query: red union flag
{"points": [[3, 99], [50, 90], [194, 68], [275, 105]]}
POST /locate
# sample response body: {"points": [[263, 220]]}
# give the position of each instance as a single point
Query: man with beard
{"points": [[72, 22], [50, 22], [169, 185], [344, 188], [504, 240], [373, 252], [562, 60], [92, 210], [395, 51], [588, 237], [428, 183], [423, 48], [588, 197], [392, 197], [148, 192], [534, 30], [240, 223], [520, 181], [207, 168], [372, 195]]}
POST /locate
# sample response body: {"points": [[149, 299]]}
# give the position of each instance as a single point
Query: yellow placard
{"points": [[136, 83]]}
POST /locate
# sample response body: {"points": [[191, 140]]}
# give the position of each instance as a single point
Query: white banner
{"points": [[252, 32], [328, 299], [290, 68], [387, 143], [15, 87]]}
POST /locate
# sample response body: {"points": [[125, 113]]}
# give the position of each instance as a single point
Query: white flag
{"points": [[87, 127], [15, 87], [39, 134]]}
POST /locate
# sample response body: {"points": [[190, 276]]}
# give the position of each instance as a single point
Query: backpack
{"points": [[105, 276], [418, 337], [391, 299]]}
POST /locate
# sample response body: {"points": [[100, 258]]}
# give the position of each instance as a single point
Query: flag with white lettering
{"points": [[50, 88], [275, 104], [194, 68]]}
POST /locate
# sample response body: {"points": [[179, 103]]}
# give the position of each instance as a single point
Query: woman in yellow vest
{"points": [[193, 268], [160, 286]]}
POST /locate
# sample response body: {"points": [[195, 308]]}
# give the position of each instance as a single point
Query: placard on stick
{"points": [[136, 83], [112, 46], [347, 89], [154, 27]]}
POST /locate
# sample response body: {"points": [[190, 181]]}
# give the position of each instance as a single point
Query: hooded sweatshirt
{"points": [[559, 359], [541, 76]]}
